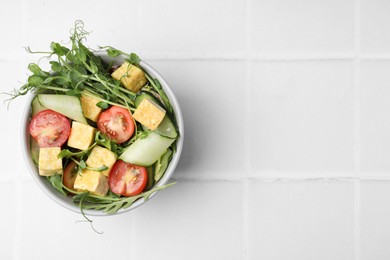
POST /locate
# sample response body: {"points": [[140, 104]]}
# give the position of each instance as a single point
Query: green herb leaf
{"points": [[35, 80], [82, 164], [61, 80], [143, 135], [65, 153], [99, 169], [162, 165], [100, 139], [58, 49], [34, 68], [102, 105], [56, 182], [112, 52], [134, 59], [73, 93], [55, 66]]}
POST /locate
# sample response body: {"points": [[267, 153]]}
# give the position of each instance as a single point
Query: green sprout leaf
{"points": [[102, 105], [35, 69], [134, 59], [112, 52], [56, 182], [82, 164], [55, 66], [58, 49], [35, 80]]}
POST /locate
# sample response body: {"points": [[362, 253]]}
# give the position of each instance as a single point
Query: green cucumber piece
{"points": [[36, 107], [69, 106], [146, 151], [34, 148], [166, 127], [142, 95], [162, 165]]}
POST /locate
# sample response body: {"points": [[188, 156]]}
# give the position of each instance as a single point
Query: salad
{"points": [[101, 133]]}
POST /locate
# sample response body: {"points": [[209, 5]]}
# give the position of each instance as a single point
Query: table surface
{"points": [[287, 130]]}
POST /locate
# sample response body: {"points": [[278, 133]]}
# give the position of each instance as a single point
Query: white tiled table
{"points": [[287, 119]]}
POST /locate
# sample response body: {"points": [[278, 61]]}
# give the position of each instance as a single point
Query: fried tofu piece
{"points": [[81, 136], [99, 157], [132, 77], [91, 181], [90, 110], [149, 114], [49, 163]]}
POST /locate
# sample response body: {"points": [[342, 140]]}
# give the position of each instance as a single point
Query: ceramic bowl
{"points": [[66, 202]]}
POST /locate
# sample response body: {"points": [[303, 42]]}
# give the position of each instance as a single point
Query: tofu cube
{"points": [[149, 114], [99, 157], [132, 77], [81, 136], [90, 110], [91, 181], [49, 163]]}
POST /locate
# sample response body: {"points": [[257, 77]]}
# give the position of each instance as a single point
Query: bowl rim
{"points": [[65, 202]]}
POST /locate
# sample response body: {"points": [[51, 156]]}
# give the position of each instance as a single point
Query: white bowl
{"points": [[66, 202]]}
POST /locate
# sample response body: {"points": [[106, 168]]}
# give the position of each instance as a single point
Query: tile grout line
{"points": [[357, 205], [25, 179], [248, 115], [357, 159], [357, 133], [18, 221], [14, 56]]}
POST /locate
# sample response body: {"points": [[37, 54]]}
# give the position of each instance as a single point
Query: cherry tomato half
{"points": [[69, 175], [127, 179], [49, 128], [116, 123]]}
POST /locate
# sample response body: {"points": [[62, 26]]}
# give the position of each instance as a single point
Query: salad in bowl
{"points": [[103, 130]]}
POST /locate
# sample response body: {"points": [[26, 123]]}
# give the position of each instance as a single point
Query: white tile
{"points": [[375, 120], [11, 27], [11, 158], [374, 25], [302, 26], [192, 221], [375, 220], [197, 27], [109, 23], [302, 118], [143, 26], [210, 94], [8, 219], [50, 230], [301, 220]]}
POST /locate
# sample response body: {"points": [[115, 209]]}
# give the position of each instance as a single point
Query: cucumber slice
{"points": [[36, 107], [146, 151], [69, 106], [34, 147], [142, 95], [166, 127], [162, 165]]}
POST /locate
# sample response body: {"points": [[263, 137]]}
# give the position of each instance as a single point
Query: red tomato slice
{"points": [[69, 175], [49, 128], [116, 123], [127, 179]]}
